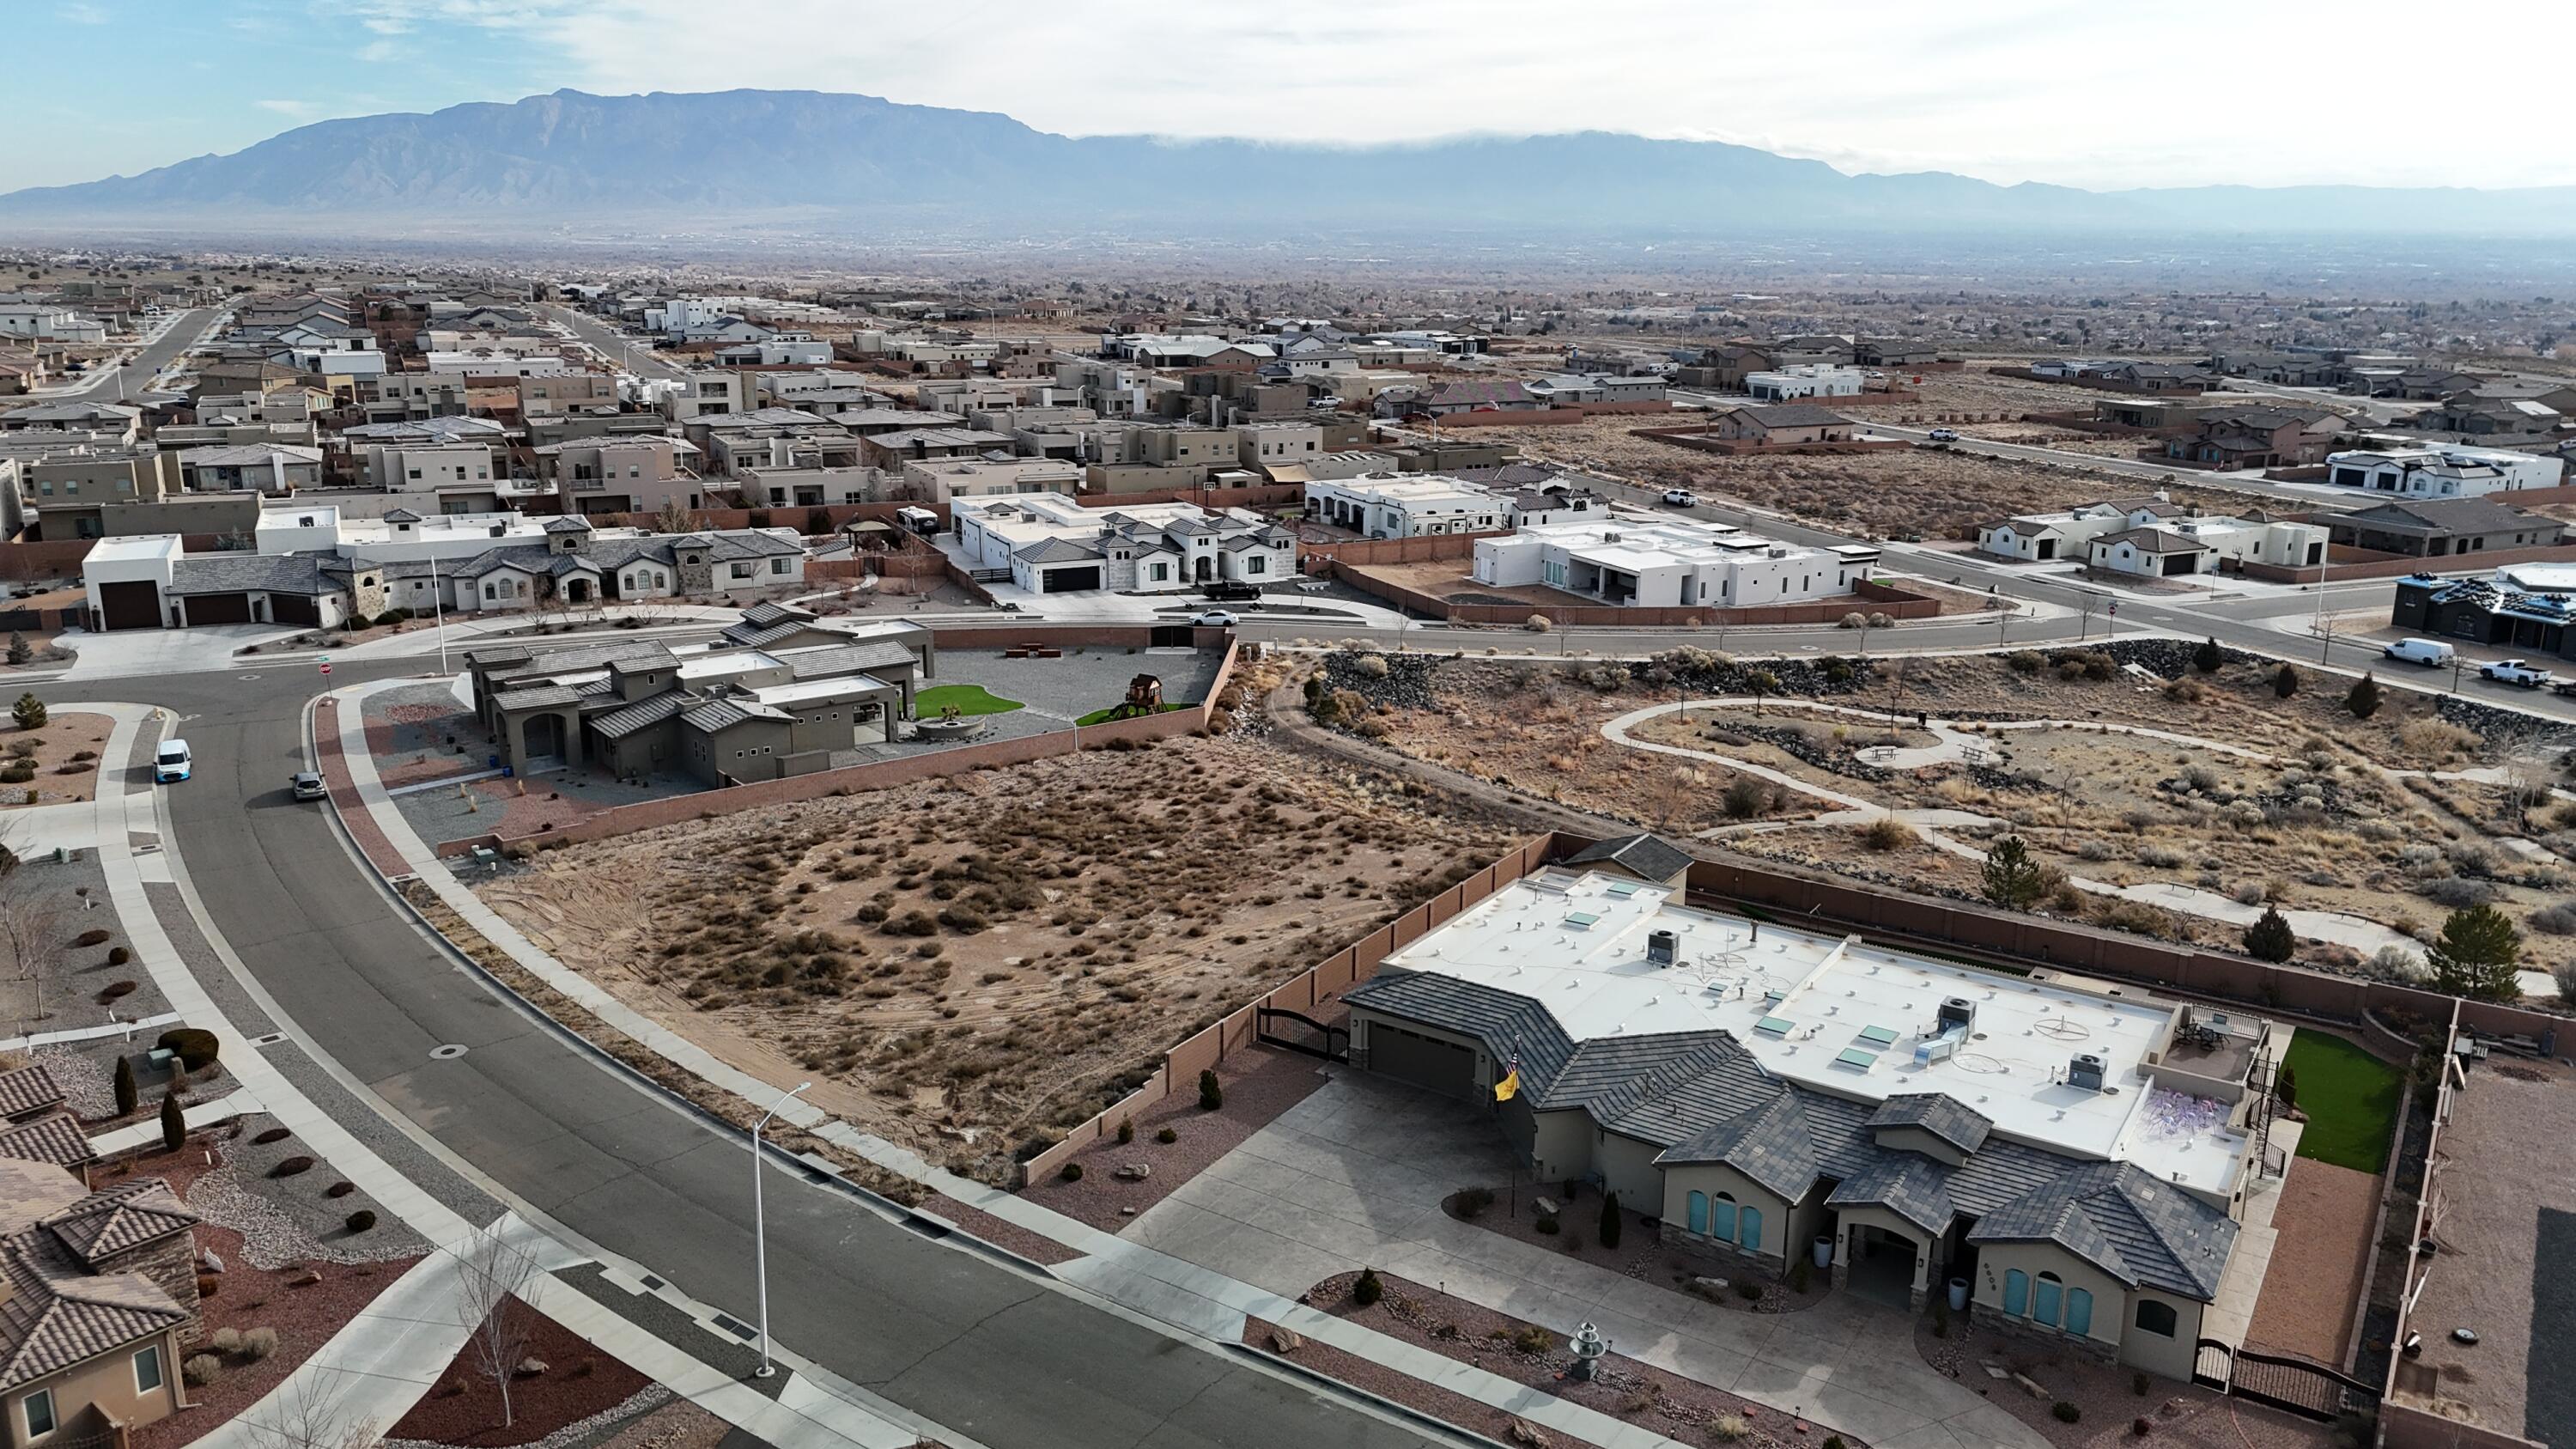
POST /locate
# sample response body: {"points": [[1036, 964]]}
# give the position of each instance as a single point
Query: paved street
{"points": [[184, 332], [622, 352]]}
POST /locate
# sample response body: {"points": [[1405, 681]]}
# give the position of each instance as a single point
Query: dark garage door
{"points": [[135, 605], [217, 608], [1066, 581], [1443, 1067], [294, 609]]}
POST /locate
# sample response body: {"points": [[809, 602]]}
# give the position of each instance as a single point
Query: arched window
{"points": [[2079, 1311], [1721, 1218], [1749, 1236], [2158, 1318], [1698, 1211], [2043, 1299], [2016, 1292]]}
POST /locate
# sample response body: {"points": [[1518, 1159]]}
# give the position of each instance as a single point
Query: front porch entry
{"points": [[1882, 1264]]}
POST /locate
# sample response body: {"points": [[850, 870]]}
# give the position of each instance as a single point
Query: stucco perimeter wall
{"points": [[627, 819], [1319, 983], [2403, 1426]]}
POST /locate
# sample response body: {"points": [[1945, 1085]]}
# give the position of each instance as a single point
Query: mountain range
{"points": [[863, 166]]}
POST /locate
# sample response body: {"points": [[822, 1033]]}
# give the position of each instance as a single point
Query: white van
{"points": [[2431, 653], [172, 763]]}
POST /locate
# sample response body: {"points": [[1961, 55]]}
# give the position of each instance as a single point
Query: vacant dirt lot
{"points": [[967, 963], [1932, 493]]}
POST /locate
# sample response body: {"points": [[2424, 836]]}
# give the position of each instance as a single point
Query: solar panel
{"points": [[1855, 1057], [1776, 1025]]}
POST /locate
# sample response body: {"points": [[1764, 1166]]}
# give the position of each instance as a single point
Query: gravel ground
{"points": [[582, 1391], [1623, 1388], [676, 1425], [1472, 1415], [1036, 1247], [1640, 1255], [202, 962], [286, 1219], [2314, 1281], [77, 891], [1259, 1085], [2106, 1395]]}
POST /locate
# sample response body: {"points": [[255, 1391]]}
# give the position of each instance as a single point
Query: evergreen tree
{"points": [[2208, 657], [29, 712], [2364, 700], [20, 651], [174, 1123], [128, 1096], [2476, 955], [2286, 682], [2270, 937], [2285, 1089], [2012, 878], [1610, 1219]]}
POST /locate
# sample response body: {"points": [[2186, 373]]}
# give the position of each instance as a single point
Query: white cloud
{"points": [[2048, 90], [298, 110], [83, 12]]}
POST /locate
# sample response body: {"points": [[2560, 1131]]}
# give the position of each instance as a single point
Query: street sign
{"points": [[326, 664]]}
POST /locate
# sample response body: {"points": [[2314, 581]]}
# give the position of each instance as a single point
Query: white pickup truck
{"points": [[2515, 671]]}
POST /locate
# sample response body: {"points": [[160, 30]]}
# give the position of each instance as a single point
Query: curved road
{"points": [[978, 1348]]}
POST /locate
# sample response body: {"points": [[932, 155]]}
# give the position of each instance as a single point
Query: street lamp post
{"points": [[760, 1229]]}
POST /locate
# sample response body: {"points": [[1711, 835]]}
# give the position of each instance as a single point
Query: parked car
{"points": [[2431, 653], [1681, 498], [1230, 589], [1214, 619], [2515, 671], [307, 785], [1943, 435], [172, 762]]}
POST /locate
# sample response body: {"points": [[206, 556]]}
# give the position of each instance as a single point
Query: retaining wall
{"points": [[2403, 1426], [1703, 442], [2393, 566]]}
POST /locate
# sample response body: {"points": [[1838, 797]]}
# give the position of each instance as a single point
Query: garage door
{"points": [[217, 608], [1443, 1067], [135, 605], [1066, 581], [294, 609]]}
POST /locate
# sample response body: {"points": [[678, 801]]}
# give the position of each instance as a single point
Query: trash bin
{"points": [[1958, 1295]]}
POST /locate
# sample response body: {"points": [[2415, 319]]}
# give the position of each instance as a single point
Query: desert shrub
{"points": [[392, 616], [1744, 798], [340, 1189], [91, 937], [2248, 893], [1367, 1290], [2065, 1411], [2200, 777], [18, 772], [1835, 1441], [2095, 850], [961, 918], [913, 923], [1167, 1136], [1126, 1131], [2457, 894], [1852, 620], [363, 1220], [115, 990], [225, 1340], [1530, 1338], [1727, 1428], [1546, 1223], [1887, 833], [195, 1048], [1211, 1091], [1472, 1202], [1070, 1172], [2270, 937], [1538, 624], [2563, 976], [2557, 920], [292, 1166], [2185, 691], [118, 955], [1747, 1289], [2023, 661], [2395, 963], [273, 1134], [2433, 741], [2139, 1383], [2142, 1426], [201, 1369], [2208, 657], [2163, 857], [2285, 681], [1371, 666], [258, 1343]]}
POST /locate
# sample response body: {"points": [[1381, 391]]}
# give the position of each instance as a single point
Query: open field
{"points": [[967, 963], [2350, 1098], [1932, 493], [2180, 806]]}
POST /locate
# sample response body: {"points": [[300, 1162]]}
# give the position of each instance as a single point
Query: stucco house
{"points": [[1770, 1095], [98, 1293]]}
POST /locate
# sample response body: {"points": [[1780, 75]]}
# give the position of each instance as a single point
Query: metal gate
{"points": [[1332, 1043], [2284, 1381]]}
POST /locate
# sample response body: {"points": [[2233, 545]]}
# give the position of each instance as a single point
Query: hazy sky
{"points": [[2097, 94]]}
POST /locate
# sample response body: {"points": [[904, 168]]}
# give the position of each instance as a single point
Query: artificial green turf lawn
{"points": [[2351, 1099], [931, 703]]}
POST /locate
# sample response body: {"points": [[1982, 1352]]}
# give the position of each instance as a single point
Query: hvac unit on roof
{"points": [[1957, 1011], [1661, 947], [2085, 1072]]}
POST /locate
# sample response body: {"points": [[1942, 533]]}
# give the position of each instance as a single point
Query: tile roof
{"points": [[543, 696], [57, 1139], [715, 716], [757, 635], [233, 573], [136, 1211], [644, 713], [1938, 1113], [1906, 1184], [28, 1089], [1649, 856], [1770, 1143], [59, 1314]]}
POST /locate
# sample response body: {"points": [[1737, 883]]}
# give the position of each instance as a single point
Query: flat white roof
{"points": [[133, 547], [834, 688], [706, 666], [1837, 1015]]}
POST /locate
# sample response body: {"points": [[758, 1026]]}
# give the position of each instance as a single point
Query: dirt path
{"points": [[2317, 1266]]}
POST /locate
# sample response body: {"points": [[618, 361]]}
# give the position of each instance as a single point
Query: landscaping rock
{"points": [[207, 1262], [1132, 1172], [305, 1279], [1522, 1431], [1710, 1285], [530, 1368], [1545, 1206], [2030, 1388], [1994, 1372], [1286, 1340]]}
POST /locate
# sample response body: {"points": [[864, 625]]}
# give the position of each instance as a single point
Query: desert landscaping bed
{"points": [[971, 964], [1517, 1211], [1525, 1353], [2314, 1280], [55, 763], [2110, 1402], [573, 1381], [1255, 1086]]}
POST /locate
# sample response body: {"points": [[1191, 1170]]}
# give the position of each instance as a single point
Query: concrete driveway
{"points": [[1353, 1176]]}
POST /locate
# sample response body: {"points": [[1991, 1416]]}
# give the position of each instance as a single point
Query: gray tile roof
{"points": [[644, 713], [1771, 1143], [1938, 1113], [1905, 1183], [1649, 856], [1055, 550], [1510, 1026], [276, 573], [543, 696], [756, 635], [717, 715]]}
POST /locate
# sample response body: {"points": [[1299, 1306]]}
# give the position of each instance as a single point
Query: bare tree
{"points": [[492, 1279], [2529, 769], [31, 936], [1677, 787], [308, 1412]]}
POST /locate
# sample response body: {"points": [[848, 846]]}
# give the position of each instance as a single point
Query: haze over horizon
{"points": [[2029, 90]]}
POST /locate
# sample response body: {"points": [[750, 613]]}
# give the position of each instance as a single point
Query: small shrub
{"points": [[258, 1343], [273, 1134], [294, 1166], [1070, 1172], [1727, 1428], [1799, 1272], [1940, 1318], [2065, 1411], [1167, 1136], [1547, 1225], [2139, 1383], [1835, 1441], [201, 1369], [1747, 1289], [118, 955], [340, 1189], [91, 937], [2142, 1426], [1367, 1290], [1126, 1131], [209, 1284], [1530, 1338], [2284, 683], [194, 1047], [1887, 833], [225, 1340], [2023, 661], [128, 1094], [1472, 1202], [2208, 657], [363, 1220], [1211, 1091]]}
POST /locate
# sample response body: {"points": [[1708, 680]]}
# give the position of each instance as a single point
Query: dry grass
{"points": [[971, 962]]}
